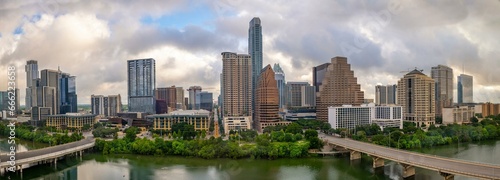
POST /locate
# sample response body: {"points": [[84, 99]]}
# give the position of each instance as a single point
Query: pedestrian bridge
{"points": [[447, 167], [45, 155]]}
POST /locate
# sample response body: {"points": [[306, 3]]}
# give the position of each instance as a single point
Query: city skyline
{"points": [[186, 45]]}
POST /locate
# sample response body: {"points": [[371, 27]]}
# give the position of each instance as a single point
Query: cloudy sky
{"points": [[93, 39]]}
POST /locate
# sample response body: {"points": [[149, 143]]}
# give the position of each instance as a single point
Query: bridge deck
{"points": [[440, 164], [46, 153]]}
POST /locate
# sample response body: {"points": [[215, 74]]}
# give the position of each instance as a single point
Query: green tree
{"points": [[294, 128], [131, 134]]}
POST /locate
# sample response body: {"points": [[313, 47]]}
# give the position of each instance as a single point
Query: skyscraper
{"points": [[237, 84], [67, 91], [465, 89], [179, 96], [31, 70], [205, 100], [266, 99], [294, 93], [50, 96], [339, 87], [169, 94], [255, 51], [416, 93], [385, 95], [193, 92], [279, 75], [307, 96], [319, 75], [443, 77], [141, 85]]}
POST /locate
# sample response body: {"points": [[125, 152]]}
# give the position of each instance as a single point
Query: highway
{"points": [[436, 163]]}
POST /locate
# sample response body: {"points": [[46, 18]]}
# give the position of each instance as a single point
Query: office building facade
{"points": [[385, 95], [465, 89], [416, 93], [237, 84], [319, 74], [70, 120], [339, 87], [255, 51], [458, 114], [107, 106], [194, 92], [31, 70], [308, 96], [443, 77], [205, 101], [349, 116], [294, 93], [200, 119], [279, 75], [141, 85], [266, 98]]}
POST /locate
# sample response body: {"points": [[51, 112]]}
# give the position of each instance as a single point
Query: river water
{"points": [[97, 166]]}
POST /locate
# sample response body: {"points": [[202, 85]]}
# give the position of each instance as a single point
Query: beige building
{"points": [[339, 87], [237, 84], [200, 119], [266, 99], [416, 93], [70, 120], [443, 77], [237, 123], [458, 115], [488, 109]]}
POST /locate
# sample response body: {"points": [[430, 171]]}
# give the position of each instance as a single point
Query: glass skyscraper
{"points": [[465, 89], [255, 51], [68, 97], [141, 85], [279, 75], [31, 70]]}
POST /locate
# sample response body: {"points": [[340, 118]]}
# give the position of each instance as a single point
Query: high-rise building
{"points": [[106, 105], [205, 101], [339, 87], [385, 95], [443, 77], [141, 85], [31, 70], [67, 90], [319, 74], [255, 51], [169, 94], [50, 78], [266, 99], [179, 96], [237, 84], [307, 96], [416, 93], [349, 116], [5, 102], [465, 89], [193, 92], [294, 93], [279, 75]]}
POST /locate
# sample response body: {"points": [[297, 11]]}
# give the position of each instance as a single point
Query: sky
{"points": [[92, 40]]}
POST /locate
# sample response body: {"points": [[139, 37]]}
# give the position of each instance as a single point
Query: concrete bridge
{"points": [[45, 155], [447, 167]]}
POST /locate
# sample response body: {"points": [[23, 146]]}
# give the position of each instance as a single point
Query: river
{"points": [[96, 166]]}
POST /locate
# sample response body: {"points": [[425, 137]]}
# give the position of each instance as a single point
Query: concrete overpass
{"points": [[45, 155], [447, 167]]}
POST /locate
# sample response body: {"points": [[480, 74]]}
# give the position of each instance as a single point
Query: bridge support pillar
{"points": [[55, 163], [355, 155], [377, 162], [447, 176], [408, 171]]}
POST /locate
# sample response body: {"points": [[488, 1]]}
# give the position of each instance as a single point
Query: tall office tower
{"points": [[319, 74], [339, 87], [179, 97], [141, 85], [106, 105], [465, 89], [237, 84], [221, 96], [50, 78], [255, 51], [67, 91], [266, 99], [294, 93], [416, 93], [193, 91], [385, 95], [31, 70], [169, 94], [205, 100], [308, 96], [279, 75], [443, 77]]}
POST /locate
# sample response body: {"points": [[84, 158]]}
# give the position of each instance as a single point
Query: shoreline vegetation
{"points": [[40, 135]]}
